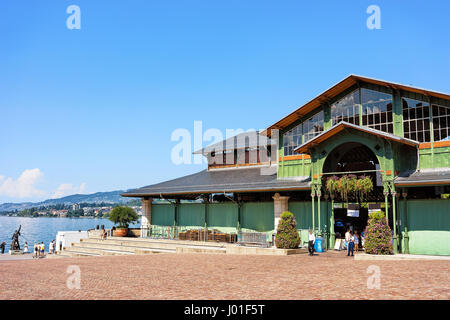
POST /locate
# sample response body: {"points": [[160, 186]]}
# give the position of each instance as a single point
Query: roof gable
{"points": [[305, 148], [331, 93]]}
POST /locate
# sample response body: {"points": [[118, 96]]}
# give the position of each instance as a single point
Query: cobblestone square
{"points": [[330, 275]]}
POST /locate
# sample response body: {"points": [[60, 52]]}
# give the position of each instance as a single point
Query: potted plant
{"points": [[122, 216]]}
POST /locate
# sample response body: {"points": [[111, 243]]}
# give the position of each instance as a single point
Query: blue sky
{"points": [[93, 109]]}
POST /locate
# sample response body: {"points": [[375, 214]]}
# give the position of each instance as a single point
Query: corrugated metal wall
{"points": [[428, 226]]}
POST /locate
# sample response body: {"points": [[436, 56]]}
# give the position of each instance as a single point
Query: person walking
{"points": [[351, 245], [25, 247], [36, 250], [2, 246], [347, 240], [311, 241]]}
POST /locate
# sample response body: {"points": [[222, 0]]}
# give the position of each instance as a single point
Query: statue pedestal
{"points": [[15, 252]]}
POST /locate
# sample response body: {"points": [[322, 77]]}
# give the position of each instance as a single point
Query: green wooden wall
{"points": [[428, 224], [163, 214], [191, 214], [257, 216], [222, 215], [434, 158]]}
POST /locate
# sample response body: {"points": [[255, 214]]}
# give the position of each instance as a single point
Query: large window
{"points": [[416, 120], [313, 126], [292, 139], [377, 110], [346, 109], [441, 123]]}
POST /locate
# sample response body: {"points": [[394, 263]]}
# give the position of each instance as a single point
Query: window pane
{"points": [[418, 113], [345, 108]]}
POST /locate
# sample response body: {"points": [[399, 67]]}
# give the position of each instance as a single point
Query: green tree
{"points": [[123, 216], [287, 235]]}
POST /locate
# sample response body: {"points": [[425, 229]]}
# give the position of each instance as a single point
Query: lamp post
{"points": [[394, 222], [406, 237], [386, 205], [312, 197], [332, 234]]}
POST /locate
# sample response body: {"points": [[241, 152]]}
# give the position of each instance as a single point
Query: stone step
{"points": [[160, 241], [125, 244], [76, 253], [117, 248], [96, 251]]}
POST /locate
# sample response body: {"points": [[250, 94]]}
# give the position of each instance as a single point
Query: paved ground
{"points": [[329, 275]]}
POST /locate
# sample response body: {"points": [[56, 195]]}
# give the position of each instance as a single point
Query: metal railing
{"points": [[187, 233], [258, 239]]}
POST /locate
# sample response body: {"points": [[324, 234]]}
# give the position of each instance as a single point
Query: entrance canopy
{"points": [[341, 126]]}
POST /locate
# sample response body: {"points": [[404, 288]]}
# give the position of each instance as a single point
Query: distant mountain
{"points": [[99, 197]]}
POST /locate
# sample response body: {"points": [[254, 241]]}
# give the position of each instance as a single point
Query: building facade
{"points": [[397, 135]]}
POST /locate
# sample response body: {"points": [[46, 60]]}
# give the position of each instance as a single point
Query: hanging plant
{"points": [[349, 186], [343, 187], [331, 185], [364, 186]]}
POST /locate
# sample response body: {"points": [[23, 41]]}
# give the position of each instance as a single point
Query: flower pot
{"points": [[121, 232]]}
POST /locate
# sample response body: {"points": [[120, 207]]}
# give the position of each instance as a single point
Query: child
{"points": [[42, 249], [356, 241]]}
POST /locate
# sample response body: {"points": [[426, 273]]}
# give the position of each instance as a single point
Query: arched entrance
{"points": [[357, 159]]}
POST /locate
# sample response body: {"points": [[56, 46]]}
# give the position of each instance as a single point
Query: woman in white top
{"points": [[25, 247]]}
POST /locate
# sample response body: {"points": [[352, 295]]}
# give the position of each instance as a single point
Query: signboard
{"points": [[373, 207], [353, 213], [337, 244], [353, 210]]}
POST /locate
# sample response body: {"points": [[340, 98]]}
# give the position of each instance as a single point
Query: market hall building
{"points": [[398, 135]]}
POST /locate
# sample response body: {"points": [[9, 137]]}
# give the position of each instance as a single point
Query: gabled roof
{"points": [[305, 148], [220, 181], [251, 139], [344, 84]]}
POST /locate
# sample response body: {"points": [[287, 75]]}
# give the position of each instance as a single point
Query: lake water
{"points": [[45, 229]]}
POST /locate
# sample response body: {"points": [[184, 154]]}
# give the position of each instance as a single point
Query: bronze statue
{"points": [[15, 240]]}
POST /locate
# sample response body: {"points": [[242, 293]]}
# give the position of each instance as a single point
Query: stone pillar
{"points": [[280, 205], [146, 216]]}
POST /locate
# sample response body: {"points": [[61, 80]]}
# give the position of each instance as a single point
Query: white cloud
{"points": [[67, 189], [24, 186]]}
